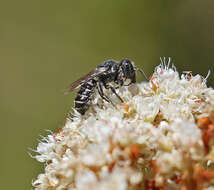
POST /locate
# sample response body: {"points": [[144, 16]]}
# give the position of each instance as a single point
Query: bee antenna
{"points": [[142, 72]]}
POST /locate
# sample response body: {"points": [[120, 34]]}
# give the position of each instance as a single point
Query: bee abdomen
{"points": [[84, 96]]}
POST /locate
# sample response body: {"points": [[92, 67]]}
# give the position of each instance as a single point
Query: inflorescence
{"points": [[161, 137]]}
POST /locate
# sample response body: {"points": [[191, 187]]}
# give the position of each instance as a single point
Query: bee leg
{"points": [[114, 91], [100, 91], [128, 84]]}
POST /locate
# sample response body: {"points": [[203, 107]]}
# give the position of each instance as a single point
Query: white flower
{"points": [[160, 137]]}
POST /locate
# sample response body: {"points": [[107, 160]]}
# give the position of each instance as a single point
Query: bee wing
{"points": [[84, 79]]}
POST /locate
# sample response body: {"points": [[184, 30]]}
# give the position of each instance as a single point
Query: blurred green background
{"points": [[45, 45]]}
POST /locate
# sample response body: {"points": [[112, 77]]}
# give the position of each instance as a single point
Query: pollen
{"points": [[125, 107]]}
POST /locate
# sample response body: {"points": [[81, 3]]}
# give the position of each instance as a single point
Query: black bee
{"points": [[105, 73]]}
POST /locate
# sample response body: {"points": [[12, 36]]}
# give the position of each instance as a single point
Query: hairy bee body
{"points": [[84, 96], [106, 73]]}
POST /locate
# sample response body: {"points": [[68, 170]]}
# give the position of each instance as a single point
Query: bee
{"points": [[103, 76]]}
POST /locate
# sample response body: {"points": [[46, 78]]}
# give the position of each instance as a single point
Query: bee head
{"points": [[128, 70]]}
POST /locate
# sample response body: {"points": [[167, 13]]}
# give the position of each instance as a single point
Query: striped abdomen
{"points": [[84, 96]]}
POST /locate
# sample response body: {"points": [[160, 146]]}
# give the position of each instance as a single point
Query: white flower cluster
{"points": [[162, 137]]}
